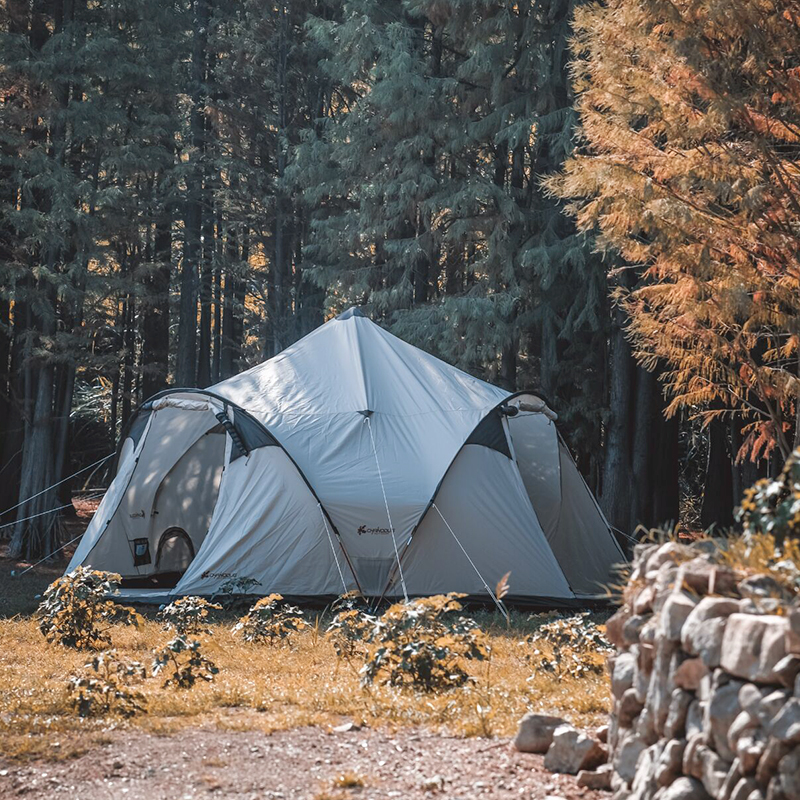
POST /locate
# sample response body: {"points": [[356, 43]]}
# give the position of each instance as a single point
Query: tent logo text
{"points": [[375, 531]]}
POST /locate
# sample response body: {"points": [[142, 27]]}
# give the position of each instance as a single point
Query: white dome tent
{"points": [[351, 460]]}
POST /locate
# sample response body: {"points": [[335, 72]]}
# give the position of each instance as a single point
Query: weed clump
{"points": [[188, 615], [268, 621], [575, 643], [422, 644], [75, 611], [351, 627], [183, 664], [106, 686]]}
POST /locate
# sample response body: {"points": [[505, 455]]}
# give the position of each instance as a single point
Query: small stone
{"points": [[750, 697], [788, 668], [643, 601], [786, 723], [685, 789], [597, 779], [535, 732], [675, 726], [731, 779], [694, 718], [771, 705], [573, 751], [690, 673], [753, 645], [743, 723], [670, 761], [743, 789], [601, 734], [702, 577], [749, 750], [668, 553], [615, 624], [633, 627], [789, 774], [768, 763], [626, 756], [721, 712], [703, 630], [674, 614], [628, 709], [622, 674]]}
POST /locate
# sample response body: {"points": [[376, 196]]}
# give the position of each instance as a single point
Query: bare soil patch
{"points": [[299, 764]]}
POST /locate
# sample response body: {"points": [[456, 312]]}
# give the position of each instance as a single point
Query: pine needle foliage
{"points": [[690, 118]]}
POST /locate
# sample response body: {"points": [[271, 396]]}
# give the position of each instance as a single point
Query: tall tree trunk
{"points": [[718, 500], [155, 322], [186, 362]]}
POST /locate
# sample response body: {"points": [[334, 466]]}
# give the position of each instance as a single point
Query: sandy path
{"points": [[301, 764]]}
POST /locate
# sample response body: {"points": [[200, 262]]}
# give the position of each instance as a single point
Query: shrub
{"points": [[351, 626], [233, 593], [183, 664], [422, 644], [76, 613], [772, 507], [267, 621], [188, 615], [575, 642], [105, 687]]}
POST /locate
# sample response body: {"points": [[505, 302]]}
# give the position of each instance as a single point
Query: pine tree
{"points": [[689, 111]]}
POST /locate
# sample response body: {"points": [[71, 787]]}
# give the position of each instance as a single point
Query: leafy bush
{"points": [[268, 621], [351, 626], [233, 594], [75, 610], [422, 645], [183, 664], [188, 615], [575, 643], [105, 687], [772, 507]]}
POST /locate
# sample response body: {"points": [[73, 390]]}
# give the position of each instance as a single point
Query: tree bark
{"points": [[718, 500]]}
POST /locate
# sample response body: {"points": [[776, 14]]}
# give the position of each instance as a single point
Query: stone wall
{"points": [[705, 681]]}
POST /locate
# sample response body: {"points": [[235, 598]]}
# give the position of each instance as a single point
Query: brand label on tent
{"points": [[374, 531]]}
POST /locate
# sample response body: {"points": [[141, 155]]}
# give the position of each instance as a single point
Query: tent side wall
{"points": [[482, 507]]}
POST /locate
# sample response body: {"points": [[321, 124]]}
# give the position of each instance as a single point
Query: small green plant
{"points": [[75, 610], [106, 687], [183, 664], [234, 593], [188, 615], [351, 626], [423, 644], [772, 507], [575, 642], [268, 621]]}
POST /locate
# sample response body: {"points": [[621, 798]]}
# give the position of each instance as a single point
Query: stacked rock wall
{"points": [[705, 681]]}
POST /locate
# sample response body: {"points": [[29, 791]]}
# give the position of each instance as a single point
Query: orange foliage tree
{"points": [[688, 167]]}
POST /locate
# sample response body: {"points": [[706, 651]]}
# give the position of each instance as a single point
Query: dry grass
{"points": [[271, 688]]}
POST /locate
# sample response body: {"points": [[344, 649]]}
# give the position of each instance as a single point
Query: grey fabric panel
{"points": [[584, 545], [535, 443]]}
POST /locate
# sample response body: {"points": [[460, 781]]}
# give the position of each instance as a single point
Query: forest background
{"points": [[599, 202]]}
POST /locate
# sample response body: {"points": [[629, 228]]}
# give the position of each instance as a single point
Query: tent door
{"points": [[175, 552]]}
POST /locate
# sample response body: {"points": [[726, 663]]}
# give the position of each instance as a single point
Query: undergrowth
{"points": [[275, 688]]}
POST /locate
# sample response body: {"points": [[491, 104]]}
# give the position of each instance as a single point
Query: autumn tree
{"points": [[690, 117]]}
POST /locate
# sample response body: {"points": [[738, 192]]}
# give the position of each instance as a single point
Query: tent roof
{"points": [[316, 395], [348, 365]]}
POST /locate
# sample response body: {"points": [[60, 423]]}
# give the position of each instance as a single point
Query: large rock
{"points": [[670, 762], [753, 645], [675, 726], [768, 764], [535, 732], [573, 751], [597, 779], [628, 709], [741, 726], [703, 577], [793, 633], [615, 625], [703, 631], [749, 750], [743, 789]]}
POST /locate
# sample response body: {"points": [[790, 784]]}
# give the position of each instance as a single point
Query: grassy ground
{"points": [[268, 688]]}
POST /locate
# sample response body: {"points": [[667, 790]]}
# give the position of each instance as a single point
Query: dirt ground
{"points": [[300, 764]]}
